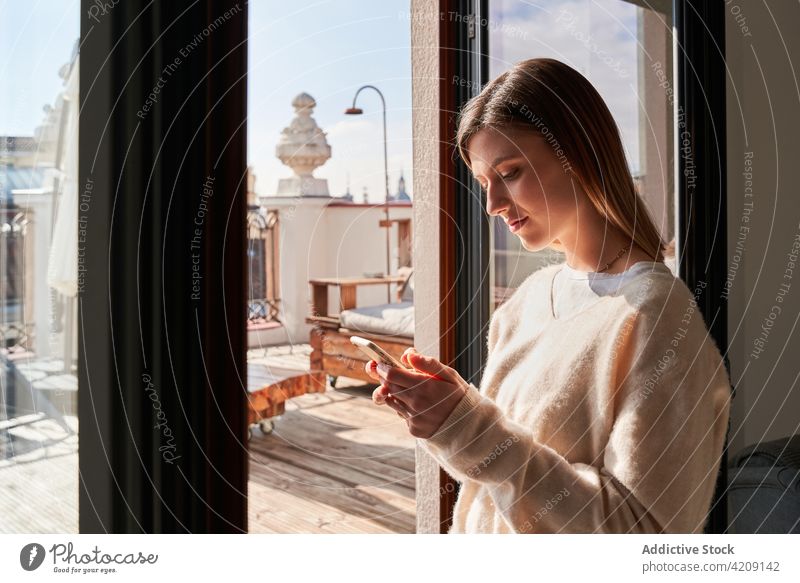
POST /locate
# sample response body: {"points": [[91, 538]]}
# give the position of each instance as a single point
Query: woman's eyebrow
{"points": [[501, 159]]}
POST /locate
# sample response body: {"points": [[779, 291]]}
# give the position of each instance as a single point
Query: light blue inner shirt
{"points": [[573, 290]]}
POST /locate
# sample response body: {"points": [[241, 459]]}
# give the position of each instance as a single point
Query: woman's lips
{"points": [[517, 224]]}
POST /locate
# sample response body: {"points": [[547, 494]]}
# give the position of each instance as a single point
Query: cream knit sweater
{"points": [[610, 418]]}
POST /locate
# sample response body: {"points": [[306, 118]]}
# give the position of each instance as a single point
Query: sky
{"points": [[325, 48], [329, 48], [36, 39], [598, 38]]}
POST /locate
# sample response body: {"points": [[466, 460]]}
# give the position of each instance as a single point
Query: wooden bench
{"points": [[336, 356], [332, 352]]}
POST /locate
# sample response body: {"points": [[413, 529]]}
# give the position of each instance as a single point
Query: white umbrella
{"points": [[62, 268]]}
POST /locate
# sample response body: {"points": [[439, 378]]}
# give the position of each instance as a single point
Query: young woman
{"points": [[604, 402]]}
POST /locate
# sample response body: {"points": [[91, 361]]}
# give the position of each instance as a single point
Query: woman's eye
{"points": [[509, 175]]}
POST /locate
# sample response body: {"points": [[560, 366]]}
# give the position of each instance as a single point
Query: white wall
{"points": [[763, 107], [427, 214], [317, 240]]}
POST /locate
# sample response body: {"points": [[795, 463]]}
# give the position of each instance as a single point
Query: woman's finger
{"points": [[371, 371], [404, 356], [398, 406], [432, 367], [387, 395], [402, 377], [380, 394], [421, 367], [384, 393]]}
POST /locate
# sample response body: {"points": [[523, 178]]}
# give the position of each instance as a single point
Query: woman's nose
{"points": [[496, 202]]}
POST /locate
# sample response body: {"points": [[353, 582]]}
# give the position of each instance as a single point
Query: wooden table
{"points": [[347, 291], [269, 387]]}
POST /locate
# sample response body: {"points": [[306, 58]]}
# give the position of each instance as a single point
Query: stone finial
{"points": [[303, 147]]}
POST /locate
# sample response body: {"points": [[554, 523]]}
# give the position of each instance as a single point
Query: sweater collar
{"points": [[634, 268], [632, 271]]}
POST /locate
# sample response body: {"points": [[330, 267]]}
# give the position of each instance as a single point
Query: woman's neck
{"points": [[590, 242]]}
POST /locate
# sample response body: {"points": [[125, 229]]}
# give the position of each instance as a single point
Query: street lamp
{"points": [[358, 111]]}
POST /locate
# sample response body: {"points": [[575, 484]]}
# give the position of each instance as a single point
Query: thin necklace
{"points": [[620, 254]]}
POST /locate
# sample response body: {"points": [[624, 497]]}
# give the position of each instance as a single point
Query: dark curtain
{"points": [[162, 371]]}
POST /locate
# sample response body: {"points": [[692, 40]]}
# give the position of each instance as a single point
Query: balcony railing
{"points": [[263, 301], [16, 330]]}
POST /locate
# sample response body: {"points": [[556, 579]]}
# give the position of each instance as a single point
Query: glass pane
{"points": [[39, 210], [626, 53], [329, 255]]}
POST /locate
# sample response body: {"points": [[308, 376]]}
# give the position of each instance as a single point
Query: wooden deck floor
{"points": [[39, 479], [335, 463]]}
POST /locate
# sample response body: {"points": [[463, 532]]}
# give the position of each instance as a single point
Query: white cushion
{"points": [[391, 319]]}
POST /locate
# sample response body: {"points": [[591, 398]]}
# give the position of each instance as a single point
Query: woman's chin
{"points": [[534, 245]]}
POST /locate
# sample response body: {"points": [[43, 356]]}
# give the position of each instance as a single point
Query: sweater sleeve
{"points": [[659, 467]]}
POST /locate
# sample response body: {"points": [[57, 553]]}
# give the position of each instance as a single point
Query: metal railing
{"points": [[16, 331], [263, 283]]}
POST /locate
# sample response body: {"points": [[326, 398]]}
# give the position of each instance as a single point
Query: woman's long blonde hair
{"points": [[551, 97]]}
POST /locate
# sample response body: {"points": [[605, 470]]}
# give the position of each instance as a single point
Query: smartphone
{"points": [[375, 352]]}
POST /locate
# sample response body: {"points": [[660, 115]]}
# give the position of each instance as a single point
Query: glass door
{"points": [[625, 51], [659, 66], [40, 275]]}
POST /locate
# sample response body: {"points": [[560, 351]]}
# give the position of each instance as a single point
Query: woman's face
{"points": [[525, 184]]}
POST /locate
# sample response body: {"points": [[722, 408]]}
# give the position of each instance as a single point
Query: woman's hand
{"points": [[424, 396]]}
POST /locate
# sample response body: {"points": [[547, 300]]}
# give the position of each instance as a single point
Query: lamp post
{"points": [[358, 111]]}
